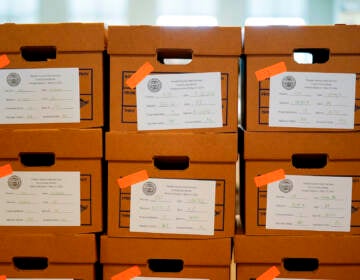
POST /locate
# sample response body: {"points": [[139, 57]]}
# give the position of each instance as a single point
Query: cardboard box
{"points": [[41, 256], [172, 258], [212, 49], [59, 150], [330, 257], [324, 154], [63, 45], [201, 157], [266, 46]]}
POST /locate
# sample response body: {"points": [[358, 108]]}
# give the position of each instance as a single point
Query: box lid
{"points": [[282, 146], [64, 143], [198, 147], [131, 40], [64, 36], [76, 248], [214, 252], [338, 39], [273, 249]]}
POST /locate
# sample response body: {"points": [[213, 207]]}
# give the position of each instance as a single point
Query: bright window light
{"points": [[176, 20], [263, 21]]}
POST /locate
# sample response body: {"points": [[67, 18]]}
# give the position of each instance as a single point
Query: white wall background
{"points": [[226, 12]]}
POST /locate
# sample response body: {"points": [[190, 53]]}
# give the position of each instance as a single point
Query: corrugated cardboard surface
{"points": [[212, 50], [74, 150], [337, 256], [79, 45], [129, 153], [265, 46], [268, 151], [68, 256], [208, 259]]}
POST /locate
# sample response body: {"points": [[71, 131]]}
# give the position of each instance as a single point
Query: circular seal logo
{"points": [[288, 82], [14, 182], [154, 85], [286, 185], [149, 188], [13, 79]]}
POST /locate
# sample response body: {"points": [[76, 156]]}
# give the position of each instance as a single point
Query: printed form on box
{"points": [[40, 199], [179, 101], [44, 95], [315, 203], [312, 100], [173, 206]]}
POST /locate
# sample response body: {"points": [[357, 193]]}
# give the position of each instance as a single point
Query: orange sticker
{"points": [[4, 61], [5, 170], [131, 179], [270, 177], [269, 274], [2, 277], [127, 274], [270, 71], [139, 75]]}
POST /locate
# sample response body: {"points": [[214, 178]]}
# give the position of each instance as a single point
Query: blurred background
{"points": [[183, 12]]}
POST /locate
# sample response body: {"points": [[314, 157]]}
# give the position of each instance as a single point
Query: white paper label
{"points": [[179, 101], [317, 203], [45, 95], [167, 278], [312, 100], [40, 199], [173, 206]]}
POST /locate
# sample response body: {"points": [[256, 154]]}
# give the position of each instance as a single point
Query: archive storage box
{"points": [[332, 48], [47, 256], [305, 257], [177, 157], [55, 174], [306, 154], [40, 57], [167, 258], [209, 49]]}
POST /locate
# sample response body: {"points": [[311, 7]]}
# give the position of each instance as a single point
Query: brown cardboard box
{"points": [[266, 46], [209, 156], [296, 153], [63, 150], [180, 258], [79, 45], [305, 257], [212, 49], [41, 256]]}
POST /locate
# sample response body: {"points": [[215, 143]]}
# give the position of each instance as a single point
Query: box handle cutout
{"points": [[37, 159], [166, 265], [301, 264], [311, 56], [38, 53], [174, 56], [310, 161], [171, 162], [30, 263]]}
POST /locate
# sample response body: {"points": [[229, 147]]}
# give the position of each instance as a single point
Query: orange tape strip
{"points": [[270, 177], [5, 170], [269, 274], [127, 274], [131, 179], [4, 61], [139, 75], [270, 71], [2, 277]]}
